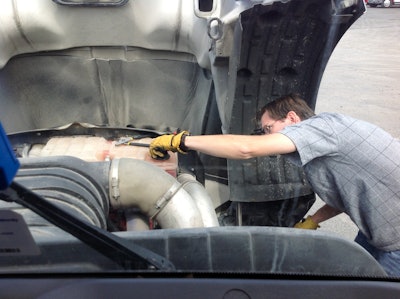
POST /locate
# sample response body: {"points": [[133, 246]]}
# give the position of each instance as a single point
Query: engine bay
{"points": [[107, 177]]}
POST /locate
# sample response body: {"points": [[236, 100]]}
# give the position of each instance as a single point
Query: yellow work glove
{"points": [[307, 223], [173, 142]]}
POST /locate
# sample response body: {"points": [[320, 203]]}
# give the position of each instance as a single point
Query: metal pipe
{"points": [[201, 198], [137, 183]]}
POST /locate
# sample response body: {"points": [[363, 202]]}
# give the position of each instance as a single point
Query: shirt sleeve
{"points": [[313, 138]]}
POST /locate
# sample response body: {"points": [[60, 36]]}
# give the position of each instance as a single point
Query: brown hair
{"points": [[279, 108]]}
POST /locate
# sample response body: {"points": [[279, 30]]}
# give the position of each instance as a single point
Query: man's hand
{"points": [[307, 223], [173, 142]]}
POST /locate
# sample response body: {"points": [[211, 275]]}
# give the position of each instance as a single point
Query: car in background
{"points": [[383, 3]]}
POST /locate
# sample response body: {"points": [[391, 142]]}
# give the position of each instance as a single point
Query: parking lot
{"points": [[361, 80]]}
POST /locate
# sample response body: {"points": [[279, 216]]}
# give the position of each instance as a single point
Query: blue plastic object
{"points": [[8, 162]]}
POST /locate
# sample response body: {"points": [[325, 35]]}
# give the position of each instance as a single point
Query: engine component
{"points": [[88, 169], [201, 198], [136, 183], [86, 189], [68, 182]]}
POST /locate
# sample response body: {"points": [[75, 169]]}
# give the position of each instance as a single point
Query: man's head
{"points": [[286, 110]]}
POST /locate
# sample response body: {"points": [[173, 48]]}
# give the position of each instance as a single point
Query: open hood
{"points": [[202, 66]]}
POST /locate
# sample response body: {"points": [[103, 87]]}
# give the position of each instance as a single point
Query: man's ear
{"points": [[293, 117]]}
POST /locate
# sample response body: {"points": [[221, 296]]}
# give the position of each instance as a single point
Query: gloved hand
{"points": [[173, 142], [307, 223]]}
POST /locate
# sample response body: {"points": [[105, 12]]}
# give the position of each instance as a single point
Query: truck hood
{"points": [[202, 66]]}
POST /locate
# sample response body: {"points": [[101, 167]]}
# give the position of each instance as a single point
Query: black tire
{"points": [[279, 213]]}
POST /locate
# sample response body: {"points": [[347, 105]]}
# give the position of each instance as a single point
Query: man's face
{"points": [[270, 125]]}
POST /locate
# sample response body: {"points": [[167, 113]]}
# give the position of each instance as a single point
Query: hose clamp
{"points": [[114, 180], [164, 200]]}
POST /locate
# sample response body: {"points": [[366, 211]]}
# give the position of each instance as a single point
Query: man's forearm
{"points": [[324, 213], [240, 146]]}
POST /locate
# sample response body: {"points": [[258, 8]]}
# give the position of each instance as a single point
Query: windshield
{"points": [[86, 91]]}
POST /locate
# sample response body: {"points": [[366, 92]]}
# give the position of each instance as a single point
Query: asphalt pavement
{"points": [[362, 80]]}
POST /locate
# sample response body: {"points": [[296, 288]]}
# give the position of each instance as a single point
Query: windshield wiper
{"points": [[117, 249]]}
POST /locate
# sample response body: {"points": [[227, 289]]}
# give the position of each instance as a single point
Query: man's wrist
{"points": [[182, 145], [314, 219]]}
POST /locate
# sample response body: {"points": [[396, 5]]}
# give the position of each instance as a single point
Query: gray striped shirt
{"points": [[353, 166]]}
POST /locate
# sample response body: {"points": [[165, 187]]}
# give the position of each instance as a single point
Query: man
{"points": [[352, 165]]}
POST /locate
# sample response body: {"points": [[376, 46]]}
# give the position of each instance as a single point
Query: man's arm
{"points": [[324, 213], [240, 146]]}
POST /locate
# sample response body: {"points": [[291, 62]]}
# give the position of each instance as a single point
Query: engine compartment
{"points": [[82, 168]]}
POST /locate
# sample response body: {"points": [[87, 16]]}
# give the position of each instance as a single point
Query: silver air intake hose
{"points": [[136, 183], [201, 198]]}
